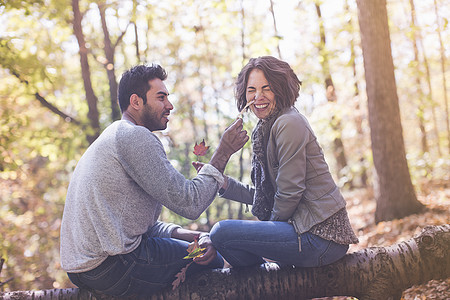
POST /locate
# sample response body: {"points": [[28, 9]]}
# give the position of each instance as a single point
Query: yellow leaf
{"points": [[195, 253]]}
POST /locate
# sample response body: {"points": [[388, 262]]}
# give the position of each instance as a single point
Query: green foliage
{"points": [[38, 152]]}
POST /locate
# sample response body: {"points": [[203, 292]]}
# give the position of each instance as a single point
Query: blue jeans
{"points": [[149, 268], [244, 243]]}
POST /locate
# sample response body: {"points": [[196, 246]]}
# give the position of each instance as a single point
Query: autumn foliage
{"points": [[194, 251], [200, 149]]}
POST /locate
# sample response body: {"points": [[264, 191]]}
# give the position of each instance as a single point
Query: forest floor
{"points": [[361, 208]]}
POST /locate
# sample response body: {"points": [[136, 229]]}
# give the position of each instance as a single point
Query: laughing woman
{"points": [[305, 222]]}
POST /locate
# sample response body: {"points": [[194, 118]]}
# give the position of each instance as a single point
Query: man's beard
{"points": [[151, 120]]}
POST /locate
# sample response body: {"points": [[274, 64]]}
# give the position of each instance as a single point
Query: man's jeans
{"points": [[149, 268], [244, 243]]}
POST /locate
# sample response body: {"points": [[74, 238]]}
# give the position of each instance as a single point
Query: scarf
{"points": [[264, 190]]}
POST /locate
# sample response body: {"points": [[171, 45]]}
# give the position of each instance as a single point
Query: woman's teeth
{"points": [[259, 106]]}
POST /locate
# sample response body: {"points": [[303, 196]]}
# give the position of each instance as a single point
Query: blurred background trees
{"points": [[60, 62]]}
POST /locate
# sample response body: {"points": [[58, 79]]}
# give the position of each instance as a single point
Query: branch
{"points": [[47, 104], [119, 39], [54, 109], [372, 273], [7, 280], [2, 260]]}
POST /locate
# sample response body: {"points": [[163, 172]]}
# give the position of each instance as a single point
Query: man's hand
{"points": [[210, 254], [233, 139], [203, 242], [197, 165]]}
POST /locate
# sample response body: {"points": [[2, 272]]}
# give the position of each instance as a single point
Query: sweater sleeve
{"points": [[162, 229], [142, 156]]}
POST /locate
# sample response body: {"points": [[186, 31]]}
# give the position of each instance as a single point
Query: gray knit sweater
{"points": [[116, 194]]}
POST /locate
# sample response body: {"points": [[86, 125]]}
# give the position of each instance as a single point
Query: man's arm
{"points": [[186, 234]]}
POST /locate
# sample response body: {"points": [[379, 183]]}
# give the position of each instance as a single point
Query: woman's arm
{"points": [[232, 189], [291, 135], [237, 191]]}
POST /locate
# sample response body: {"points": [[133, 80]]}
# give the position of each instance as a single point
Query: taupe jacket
{"points": [[305, 192]]}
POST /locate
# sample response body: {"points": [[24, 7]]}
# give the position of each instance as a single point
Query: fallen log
{"points": [[372, 273]]}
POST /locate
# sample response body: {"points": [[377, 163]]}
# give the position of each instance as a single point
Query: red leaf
{"points": [[200, 149]]}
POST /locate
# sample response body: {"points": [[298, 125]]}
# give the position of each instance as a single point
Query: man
{"points": [[111, 239]]}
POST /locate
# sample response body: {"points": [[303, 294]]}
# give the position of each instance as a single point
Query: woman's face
{"points": [[258, 89]]}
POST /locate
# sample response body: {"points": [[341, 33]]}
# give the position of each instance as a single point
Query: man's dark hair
{"points": [[135, 81], [282, 81]]}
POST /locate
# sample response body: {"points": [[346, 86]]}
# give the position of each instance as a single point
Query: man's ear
{"points": [[136, 102]]}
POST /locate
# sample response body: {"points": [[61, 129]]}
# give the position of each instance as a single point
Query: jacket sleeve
{"points": [[291, 136], [238, 191]]}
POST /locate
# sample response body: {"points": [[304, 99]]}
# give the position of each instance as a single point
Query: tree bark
{"points": [[244, 59], [359, 116], [109, 64], [276, 34], [338, 145], [91, 98], [394, 191], [444, 80], [372, 273], [136, 35], [418, 86], [430, 100]]}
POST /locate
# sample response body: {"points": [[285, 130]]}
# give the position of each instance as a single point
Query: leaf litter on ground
{"points": [[361, 207]]}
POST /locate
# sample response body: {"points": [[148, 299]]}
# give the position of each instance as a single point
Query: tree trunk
{"points": [[358, 114], [91, 99], [372, 273], [244, 58], [186, 167], [136, 35], [417, 89], [109, 64], [430, 100], [338, 145], [394, 191], [277, 36], [444, 80], [324, 62]]}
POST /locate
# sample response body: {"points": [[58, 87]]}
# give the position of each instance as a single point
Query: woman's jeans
{"points": [[244, 243], [149, 268]]}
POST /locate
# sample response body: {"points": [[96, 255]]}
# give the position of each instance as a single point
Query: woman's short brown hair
{"points": [[282, 81]]}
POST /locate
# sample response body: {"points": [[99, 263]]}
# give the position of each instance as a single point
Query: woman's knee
{"points": [[222, 231]]}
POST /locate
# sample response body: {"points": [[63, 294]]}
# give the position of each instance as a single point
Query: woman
{"points": [[305, 220]]}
